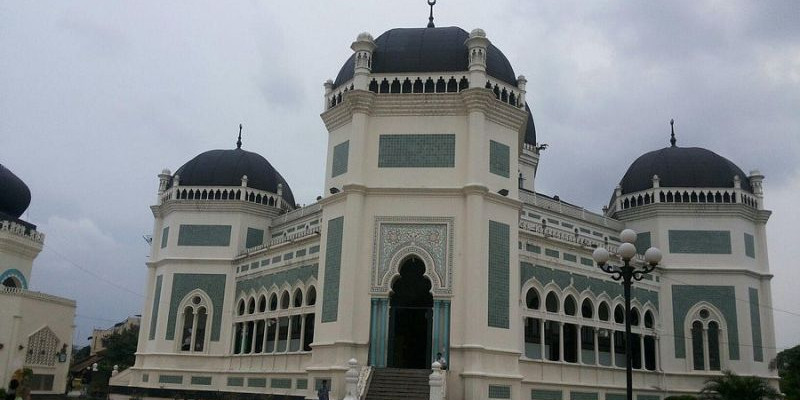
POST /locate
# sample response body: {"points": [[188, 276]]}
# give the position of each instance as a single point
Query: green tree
{"points": [[730, 386], [121, 348], [788, 364]]}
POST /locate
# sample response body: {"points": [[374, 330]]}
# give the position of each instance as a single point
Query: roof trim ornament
{"points": [[672, 140], [239, 141], [430, 18]]}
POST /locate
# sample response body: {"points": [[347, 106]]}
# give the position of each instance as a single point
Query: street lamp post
{"points": [[627, 273]]}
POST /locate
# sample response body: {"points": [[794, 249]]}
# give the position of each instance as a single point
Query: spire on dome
{"points": [[430, 18], [672, 140], [239, 141]]}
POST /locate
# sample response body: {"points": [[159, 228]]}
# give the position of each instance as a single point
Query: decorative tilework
{"points": [[587, 262], [642, 242], [264, 282], [532, 248], [429, 238], [499, 392], [212, 284], [15, 273], [255, 237], [755, 325], [313, 249], [300, 253], [204, 235], [570, 257], [597, 286], [499, 275], [235, 381], [333, 263], [201, 380], [582, 396], [301, 384], [499, 155], [154, 311], [417, 151], [340, 154], [257, 382], [700, 242], [685, 297], [174, 379], [551, 253], [288, 256], [538, 394], [164, 236], [749, 245], [276, 259], [281, 383]]}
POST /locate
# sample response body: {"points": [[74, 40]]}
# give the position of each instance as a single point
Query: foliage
{"points": [[684, 397], [121, 349], [730, 386], [81, 354], [788, 364]]}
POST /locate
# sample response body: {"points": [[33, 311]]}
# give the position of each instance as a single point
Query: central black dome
{"points": [[15, 197], [226, 167]]}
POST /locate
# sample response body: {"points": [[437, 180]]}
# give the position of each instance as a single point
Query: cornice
{"points": [[259, 210], [654, 210]]}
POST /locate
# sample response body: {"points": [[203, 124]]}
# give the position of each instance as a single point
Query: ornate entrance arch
{"points": [[410, 317]]}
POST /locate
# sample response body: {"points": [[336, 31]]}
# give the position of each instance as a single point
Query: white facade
{"points": [[423, 190]]}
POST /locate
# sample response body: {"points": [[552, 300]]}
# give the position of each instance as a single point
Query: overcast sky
{"points": [[96, 97]]}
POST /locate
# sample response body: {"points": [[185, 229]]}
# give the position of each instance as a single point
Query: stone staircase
{"points": [[399, 384]]}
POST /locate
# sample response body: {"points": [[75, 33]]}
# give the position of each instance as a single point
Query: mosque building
{"points": [[35, 328], [431, 243]]}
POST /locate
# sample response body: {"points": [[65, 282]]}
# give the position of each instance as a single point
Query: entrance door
{"points": [[410, 314]]}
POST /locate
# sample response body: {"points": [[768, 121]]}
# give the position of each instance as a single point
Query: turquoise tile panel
{"points": [[333, 263], [539, 394], [257, 382], [201, 380], [755, 325], [699, 242], [145, 377], [313, 249], [685, 297], [587, 262], [417, 151], [583, 396], [643, 242], [570, 257], [212, 284], [552, 253], [340, 154], [154, 311], [301, 384], [499, 277], [749, 245], [235, 381], [266, 281], [499, 392], [255, 237], [281, 383], [164, 237], [499, 155], [300, 253], [204, 235], [173, 379]]}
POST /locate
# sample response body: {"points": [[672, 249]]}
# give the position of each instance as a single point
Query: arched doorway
{"points": [[410, 314]]}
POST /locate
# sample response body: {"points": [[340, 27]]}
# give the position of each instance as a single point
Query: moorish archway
{"points": [[410, 317]]}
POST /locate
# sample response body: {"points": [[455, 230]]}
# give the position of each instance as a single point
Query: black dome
{"points": [[432, 50], [226, 167], [682, 167], [15, 197]]}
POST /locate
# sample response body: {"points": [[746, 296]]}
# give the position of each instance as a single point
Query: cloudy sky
{"points": [[97, 97]]}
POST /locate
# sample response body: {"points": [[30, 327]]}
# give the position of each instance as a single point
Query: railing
{"points": [[279, 240], [21, 230], [11, 291], [569, 210], [296, 214], [225, 193], [684, 195]]}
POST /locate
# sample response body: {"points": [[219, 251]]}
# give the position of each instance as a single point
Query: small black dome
{"points": [[15, 197], [682, 167], [226, 167]]}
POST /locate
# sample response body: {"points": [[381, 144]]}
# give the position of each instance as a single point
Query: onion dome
{"points": [[226, 168], [411, 50], [15, 197]]}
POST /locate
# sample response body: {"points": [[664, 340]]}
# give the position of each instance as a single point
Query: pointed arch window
{"points": [[706, 329], [194, 322]]}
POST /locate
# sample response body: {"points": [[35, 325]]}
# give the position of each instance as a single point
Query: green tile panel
{"points": [[281, 383], [552, 253], [276, 259], [301, 384], [699, 242], [255, 237], [643, 242], [417, 151], [300, 253], [499, 275], [164, 236], [570, 257], [235, 381], [265, 282], [257, 382], [685, 297], [173, 379], [201, 380], [539, 394], [499, 155], [212, 284], [597, 286], [204, 235], [616, 396], [145, 377], [533, 248], [755, 325], [749, 245], [340, 154], [499, 392], [333, 263], [583, 396], [154, 311], [313, 249], [587, 262]]}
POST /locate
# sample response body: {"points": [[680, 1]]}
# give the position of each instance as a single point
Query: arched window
{"points": [[551, 303], [619, 314], [285, 300], [251, 306], [603, 312], [706, 328], [298, 298], [311, 298], [532, 300], [194, 322], [570, 307], [634, 316], [273, 302], [240, 308], [713, 346], [698, 358], [262, 303], [587, 309], [648, 319]]}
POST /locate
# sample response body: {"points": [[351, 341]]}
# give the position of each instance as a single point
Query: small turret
{"points": [[363, 47]]}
